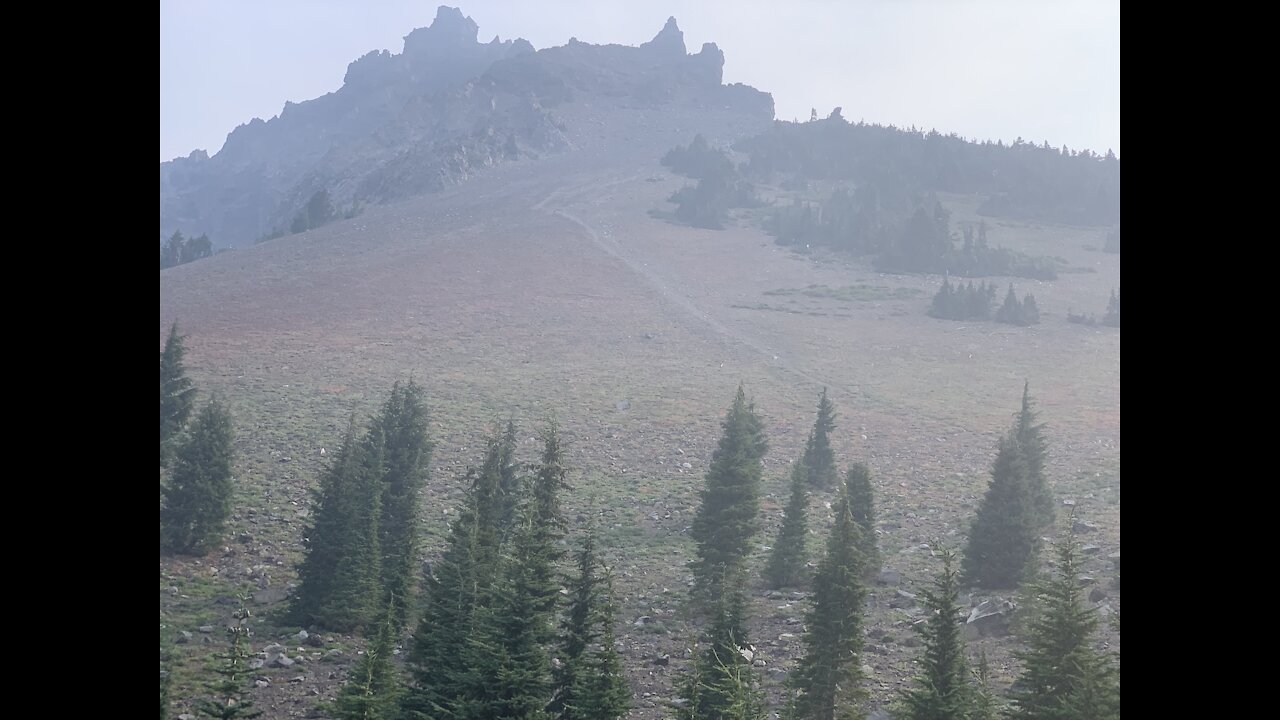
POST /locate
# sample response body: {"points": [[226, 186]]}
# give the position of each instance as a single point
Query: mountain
{"points": [[434, 115]]}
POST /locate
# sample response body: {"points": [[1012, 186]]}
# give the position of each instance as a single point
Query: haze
{"points": [[986, 69]]}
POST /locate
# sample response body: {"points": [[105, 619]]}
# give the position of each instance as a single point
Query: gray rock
{"points": [[1090, 549], [1097, 595], [889, 577], [1081, 526], [273, 649], [205, 628], [662, 660], [902, 599], [302, 635], [314, 640], [990, 619], [261, 683], [184, 637], [642, 620], [270, 595], [623, 405], [281, 661]]}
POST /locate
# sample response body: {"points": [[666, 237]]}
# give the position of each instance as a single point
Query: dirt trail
{"points": [[705, 320]]}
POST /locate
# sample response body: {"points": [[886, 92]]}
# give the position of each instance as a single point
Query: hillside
{"points": [[545, 286]]}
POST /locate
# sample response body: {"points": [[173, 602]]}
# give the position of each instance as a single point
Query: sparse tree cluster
{"points": [[484, 643], [362, 544], [963, 302], [195, 497], [1022, 313], [318, 211], [178, 249]]}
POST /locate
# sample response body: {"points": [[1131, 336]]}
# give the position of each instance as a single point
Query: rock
{"points": [[273, 649], [902, 599], [302, 635], [256, 663], [184, 637], [686, 466], [662, 660], [1086, 580], [1090, 549], [868, 671], [642, 621], [270, 595], [173, 590], [205, 629], [281, 661], [623, 405], [990, 619], [889, 577], [1081, 526], [1097, 595], [297, 679], [186, 716], [314, 640], [244, 538], [261, 683]]}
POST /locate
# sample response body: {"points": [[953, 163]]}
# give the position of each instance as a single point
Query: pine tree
{"points": [[786, 566], [818, 455], [197, 500], [372, 687], [986, 706], [512, 664], [862, 508], [1003, 538], [942, 690], [1063, 676], [728, 515], [177, 392], [588, 682], [231, 697], [510, 489], [403, 426], [1112, 318], [722, 685], [1030, 437], [826, 683], [460, 586], [1028, 313], [340, 578], [1011, 311]]}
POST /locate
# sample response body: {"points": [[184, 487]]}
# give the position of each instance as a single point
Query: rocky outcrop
{"points": [[444, 108]]}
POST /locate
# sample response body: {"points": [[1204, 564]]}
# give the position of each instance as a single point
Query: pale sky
{"points": [[986, 69]]}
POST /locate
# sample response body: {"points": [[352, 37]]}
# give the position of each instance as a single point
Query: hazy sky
{"points": [[1044, 70]]}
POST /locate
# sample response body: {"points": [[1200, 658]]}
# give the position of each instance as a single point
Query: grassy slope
{"points": [[546, 289]]}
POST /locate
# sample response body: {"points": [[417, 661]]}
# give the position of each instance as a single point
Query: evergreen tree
{"points": [[862, 508], [942, 690], [722, 685], [818, 455], [1063, 676], [177, 392], [372, 686], [512, 665], [510, 489], [1011, 311], [986, 706], [728, 515], [407, 455], [1030, 437], [231, 696], [1003, 538], [589, 683], [1029, 313], [1112, 318], [826, 683], [462, 583], [197, 500], [340, 578], [786, 566]]}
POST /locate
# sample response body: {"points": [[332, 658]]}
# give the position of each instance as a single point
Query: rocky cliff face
{"points": [[430, 117]]}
